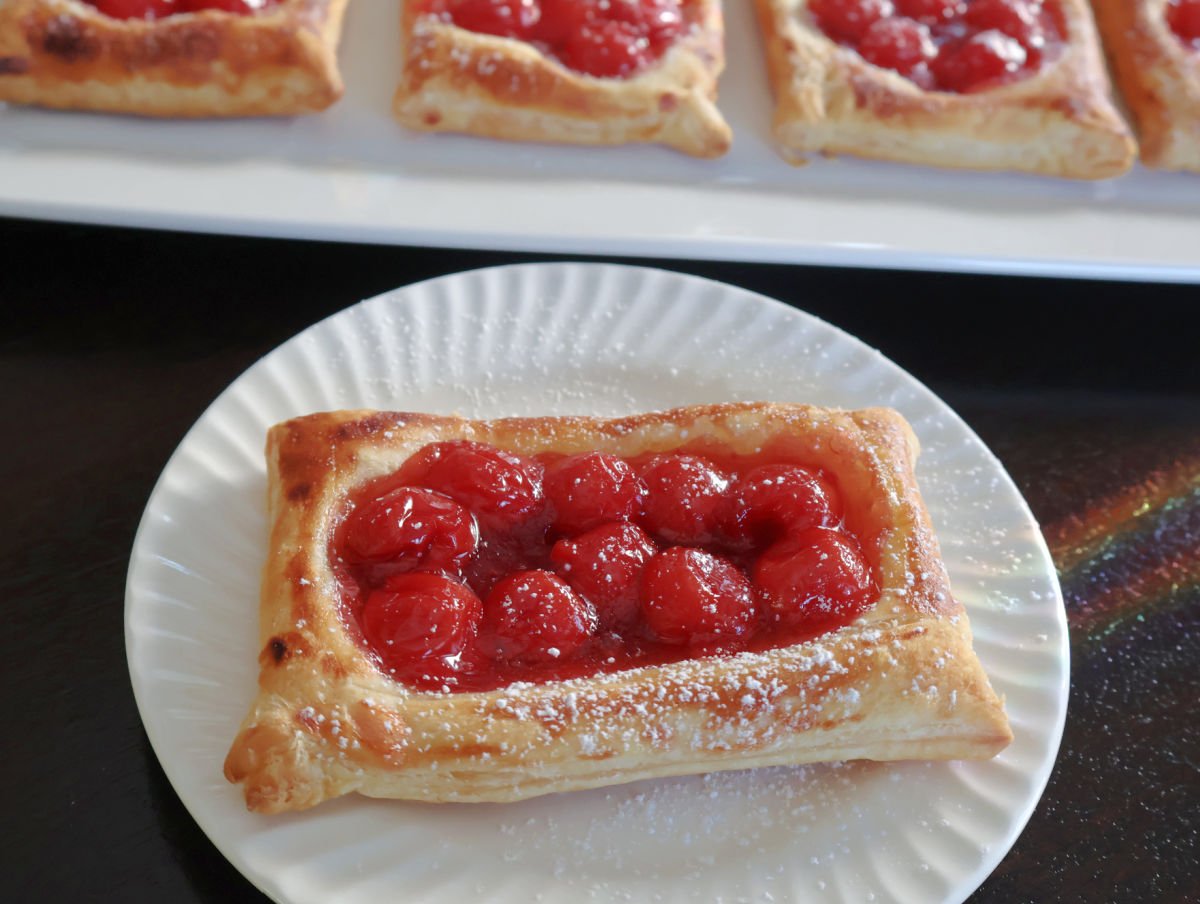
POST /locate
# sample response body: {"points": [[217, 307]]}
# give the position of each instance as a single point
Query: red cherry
{"points": [[1184, 18], [848, 20], [562, 18], [814, 578], [931, 12], [501, 488], [533, 616], [136, 9], [658, 21], [422, 625], [1016, 18], [661, 21], [605, 566], [691, 596], [770, 500], [414, 527], [505, 18], [981, 61], [605, 49], [608, 38], [898, 44], [684, 498], [591, 489]]}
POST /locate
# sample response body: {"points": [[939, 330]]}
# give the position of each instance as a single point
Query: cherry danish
{"points": [[548, 653]]}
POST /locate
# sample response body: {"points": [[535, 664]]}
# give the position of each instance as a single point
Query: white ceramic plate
{"points": [[353, 174], [605, 340]]}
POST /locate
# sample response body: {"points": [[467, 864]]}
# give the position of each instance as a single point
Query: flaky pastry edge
{"points": [[829, 100], [455, 80], [66, 54], [903, 682]]}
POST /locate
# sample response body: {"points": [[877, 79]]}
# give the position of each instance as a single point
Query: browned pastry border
{"points": [[1159, 78], [67, 54], [900, 683], [456, 80], [829, 100]]}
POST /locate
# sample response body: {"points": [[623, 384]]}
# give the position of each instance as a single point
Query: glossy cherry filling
{"points": [[472, 568], [160, 9], [959, 46], [1183, 17], [604, 38]]}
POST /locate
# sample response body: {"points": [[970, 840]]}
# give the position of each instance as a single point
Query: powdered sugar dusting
{"points": [[789, 828]]}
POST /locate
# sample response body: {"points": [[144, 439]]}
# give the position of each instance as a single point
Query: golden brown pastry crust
{"points": [[67, 54], [456, 80], [901, 683], [829, 100], [1158, 76]]}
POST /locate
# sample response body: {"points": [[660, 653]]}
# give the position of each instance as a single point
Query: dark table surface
{"points": [[114, 341]]}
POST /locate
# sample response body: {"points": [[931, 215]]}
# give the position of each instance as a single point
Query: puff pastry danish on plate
{"points": [[597, 72], [1154, 48], [974, 84], [172, 57], [459, 610]]}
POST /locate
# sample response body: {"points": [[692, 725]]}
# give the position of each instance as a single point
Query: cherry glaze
{"points": [[960, 46], [602, 38], [550, 567]]}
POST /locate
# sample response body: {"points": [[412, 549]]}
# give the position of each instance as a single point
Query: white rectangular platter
{"points": [[352, 174]]}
